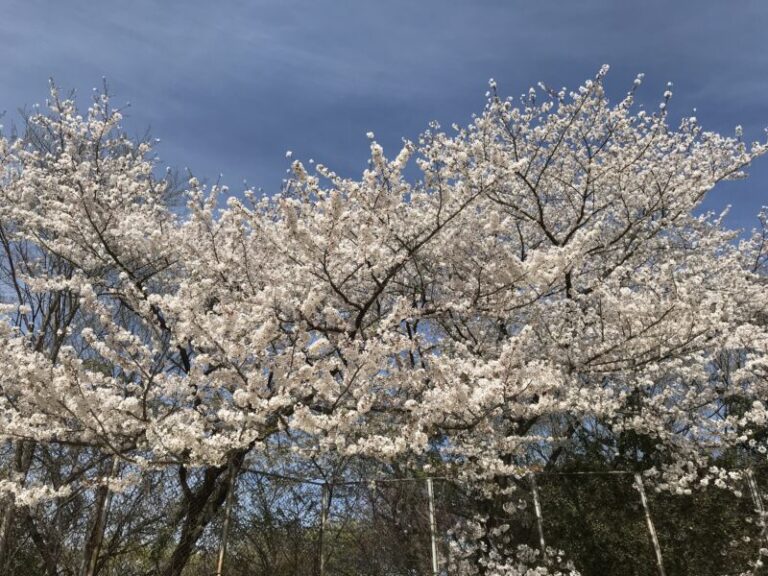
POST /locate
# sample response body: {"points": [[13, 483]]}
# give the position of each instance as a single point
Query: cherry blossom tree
{"points": [[547, 282]]}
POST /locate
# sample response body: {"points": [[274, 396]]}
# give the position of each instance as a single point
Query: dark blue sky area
{"points": [[229, 86]]}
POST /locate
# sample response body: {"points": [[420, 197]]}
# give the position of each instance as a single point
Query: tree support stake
{"points": [[539, 517], [649, 522], [432, 526]]}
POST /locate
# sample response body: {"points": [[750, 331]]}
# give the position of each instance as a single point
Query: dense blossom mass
{"points": [[544, 286]]}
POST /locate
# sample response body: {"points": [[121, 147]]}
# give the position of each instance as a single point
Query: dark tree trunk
{"points": [[22, 461], [201, 506]]}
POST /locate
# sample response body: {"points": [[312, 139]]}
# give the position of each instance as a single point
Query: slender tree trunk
{"points": [[47, 552], [5, 532], [22, 462], [227, 519], [103, 501], [325, 505]]}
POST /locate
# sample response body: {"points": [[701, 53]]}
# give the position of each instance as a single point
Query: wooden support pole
{"points": [[649, 522], [325, 505], [539, 518], [432, 526]]}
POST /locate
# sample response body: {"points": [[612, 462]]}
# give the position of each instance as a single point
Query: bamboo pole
{"points": [[325, 505], [649, 522], [432, 526], [539, 518]]}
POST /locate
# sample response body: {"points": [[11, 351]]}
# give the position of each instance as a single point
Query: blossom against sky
{"points": [[230, 86]]}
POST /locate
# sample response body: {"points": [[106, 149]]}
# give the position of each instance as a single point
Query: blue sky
{"points": [[229, 86]]}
